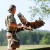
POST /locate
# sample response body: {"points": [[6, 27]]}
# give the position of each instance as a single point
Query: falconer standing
{"points": [[11, 25]]}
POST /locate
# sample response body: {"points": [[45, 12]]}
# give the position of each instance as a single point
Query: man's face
{"points": [[14, 10]]}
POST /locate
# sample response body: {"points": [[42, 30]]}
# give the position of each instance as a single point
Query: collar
{"points": [[11, 13]]}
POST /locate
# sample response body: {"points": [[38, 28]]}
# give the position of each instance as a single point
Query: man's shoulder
{"points": [[9, 14]]}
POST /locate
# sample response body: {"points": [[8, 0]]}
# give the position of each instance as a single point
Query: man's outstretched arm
{"points": [[14, 25]]}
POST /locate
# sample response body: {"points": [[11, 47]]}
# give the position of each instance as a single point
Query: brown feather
{"points": [[36, 24], [33, 25]]}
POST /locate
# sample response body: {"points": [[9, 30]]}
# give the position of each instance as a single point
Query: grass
{"points": [[26, 47]]}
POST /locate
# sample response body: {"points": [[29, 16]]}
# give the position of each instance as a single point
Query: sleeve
{"points": [[11, 18]]}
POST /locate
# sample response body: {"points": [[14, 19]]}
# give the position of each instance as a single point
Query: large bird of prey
{"points": [[30, 25]]}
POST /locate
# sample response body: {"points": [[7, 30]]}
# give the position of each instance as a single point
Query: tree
{"points": [[45, 39], [40, 9]]}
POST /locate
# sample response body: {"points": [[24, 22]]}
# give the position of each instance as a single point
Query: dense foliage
{"points": [[28, 37]]}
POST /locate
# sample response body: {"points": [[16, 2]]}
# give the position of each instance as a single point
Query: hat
{"points": [[11, 7]]}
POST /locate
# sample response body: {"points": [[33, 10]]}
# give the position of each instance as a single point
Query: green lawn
{"points": [[26, 47]]}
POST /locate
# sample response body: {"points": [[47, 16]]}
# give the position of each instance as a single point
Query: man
{"points": [[12, 28]]}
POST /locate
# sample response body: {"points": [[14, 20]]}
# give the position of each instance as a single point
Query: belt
{"points": [[12, 32]]}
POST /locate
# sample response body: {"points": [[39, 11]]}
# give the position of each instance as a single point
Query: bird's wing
{"points": [[22, 19], [33, 25], [36, 24]]}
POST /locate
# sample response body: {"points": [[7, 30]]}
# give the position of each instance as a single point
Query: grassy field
{"points": [[26, 47]]}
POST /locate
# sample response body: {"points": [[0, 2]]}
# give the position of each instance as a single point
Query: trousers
{"points": [[13, 42]]}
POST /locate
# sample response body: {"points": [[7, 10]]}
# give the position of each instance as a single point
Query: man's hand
{"points": [[19, 25]]}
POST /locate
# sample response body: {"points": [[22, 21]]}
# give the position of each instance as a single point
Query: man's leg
{"points": [[9, 45], [9, 35], [15, 42]]}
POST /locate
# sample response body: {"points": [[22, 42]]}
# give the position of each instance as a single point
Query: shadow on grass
{"points": [[46, 48]]}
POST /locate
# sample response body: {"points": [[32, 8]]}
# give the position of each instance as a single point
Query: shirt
{"points": [[10, 18]]}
